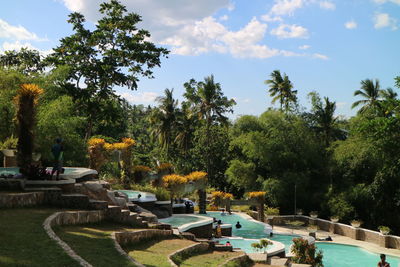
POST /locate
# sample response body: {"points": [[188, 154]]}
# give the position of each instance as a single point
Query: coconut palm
{"points": [[186, 122], [326, 120], [371, 93], [209, 103], [281, 90], [163, 119], [389, 94]]}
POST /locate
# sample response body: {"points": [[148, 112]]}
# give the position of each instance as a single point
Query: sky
{"points": [[327, 46]]}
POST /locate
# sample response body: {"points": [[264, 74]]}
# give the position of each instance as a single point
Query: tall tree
{"points": [[371, 92], [25, 61], [324, 119], [389, 94], [115, 53], [210, 104], [281, 90], [164, 120]]}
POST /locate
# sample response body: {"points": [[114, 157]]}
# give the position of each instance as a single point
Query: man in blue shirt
{"points": [[58, 152]]}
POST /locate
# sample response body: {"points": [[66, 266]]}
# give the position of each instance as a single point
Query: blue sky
{"points": [[324, 45]]}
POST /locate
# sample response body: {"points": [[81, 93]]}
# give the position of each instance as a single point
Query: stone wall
{"points": [[124, 238], [242, 260], [362, 234], [77, 217], [203, 231], [187, 252], [15, 200]]}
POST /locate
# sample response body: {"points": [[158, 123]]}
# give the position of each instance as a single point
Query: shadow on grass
{"points": [[23, 241], [94, 243]]}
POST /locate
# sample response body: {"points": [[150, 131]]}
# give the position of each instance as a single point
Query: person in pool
{"points": [[228, 244], [238, 225], [383, 262]]}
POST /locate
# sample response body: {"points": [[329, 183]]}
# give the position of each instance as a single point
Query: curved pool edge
{"points": [[187, 226]]}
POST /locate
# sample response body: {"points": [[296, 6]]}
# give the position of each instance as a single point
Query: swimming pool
{"points": [[134, 196], [184, 221], [335, 255]]}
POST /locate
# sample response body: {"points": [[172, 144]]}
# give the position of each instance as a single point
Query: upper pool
{"points": [[139, 196]]}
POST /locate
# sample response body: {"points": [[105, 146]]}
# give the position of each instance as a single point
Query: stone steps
{"points": [[74, 201], [97, 204]]}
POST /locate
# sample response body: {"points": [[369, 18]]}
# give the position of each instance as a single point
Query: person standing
{"points": [[58, 153]]}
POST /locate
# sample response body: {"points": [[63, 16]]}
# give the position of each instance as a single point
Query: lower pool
{"points": [[348, 256], [335, 255]]}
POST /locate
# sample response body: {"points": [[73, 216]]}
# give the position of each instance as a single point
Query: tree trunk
{"points": [[261, 216], [202, 201]]}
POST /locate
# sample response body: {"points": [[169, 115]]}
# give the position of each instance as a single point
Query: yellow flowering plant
{"points": [[196, 176], [141, 168]]}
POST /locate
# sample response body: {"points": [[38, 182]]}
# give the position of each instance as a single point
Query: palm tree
{"points": [[389, 94], [163, 119], [186, 122], [326, 120], [281, 89], [371, 93], [210, 104]]}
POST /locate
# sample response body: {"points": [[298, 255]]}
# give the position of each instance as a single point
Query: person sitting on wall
{"points": [[238, 225]]}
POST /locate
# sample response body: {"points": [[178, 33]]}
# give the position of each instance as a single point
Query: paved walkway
{"points": [[339, 239]]}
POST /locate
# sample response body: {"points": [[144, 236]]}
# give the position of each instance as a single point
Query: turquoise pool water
{"points": [[177, 221], [130, 193], [335, 255]]}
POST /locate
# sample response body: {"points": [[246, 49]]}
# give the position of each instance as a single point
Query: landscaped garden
{"points": [[330, 174]]}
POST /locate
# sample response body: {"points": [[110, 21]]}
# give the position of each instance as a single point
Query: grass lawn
{"points": [[154, 253], [23, 241], [209, 259], [93, 243]]}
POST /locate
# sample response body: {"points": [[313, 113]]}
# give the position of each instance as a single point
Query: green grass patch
{"points": [[23, 241], [94, 243], [155, 252], [210, 259]]}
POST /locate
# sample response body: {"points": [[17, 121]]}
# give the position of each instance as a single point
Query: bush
{"points": [[305, 253], [160, 192]]}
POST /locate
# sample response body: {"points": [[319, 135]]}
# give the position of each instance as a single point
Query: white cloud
{"points": [[304, 47], [224, 18], [208, 35], [327, 5], [269, 18], [190, 28], [285, 31], [140, 97], [286, 7], [16, 32], [384, 1], [320, 56], [351, 25], [383, 20]]}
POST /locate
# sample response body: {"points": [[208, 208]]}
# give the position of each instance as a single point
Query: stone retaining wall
{"points": [[78, 217], [16, 200], [124, 238], [203, 231], [362, 234], [242, 260], [187, 252]]}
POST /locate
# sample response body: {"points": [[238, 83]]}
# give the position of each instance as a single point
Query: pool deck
{"points": [[339, 239]]}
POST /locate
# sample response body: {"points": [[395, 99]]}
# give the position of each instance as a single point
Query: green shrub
{"points": [[10, 143], [305, 253], [271, 211]]}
